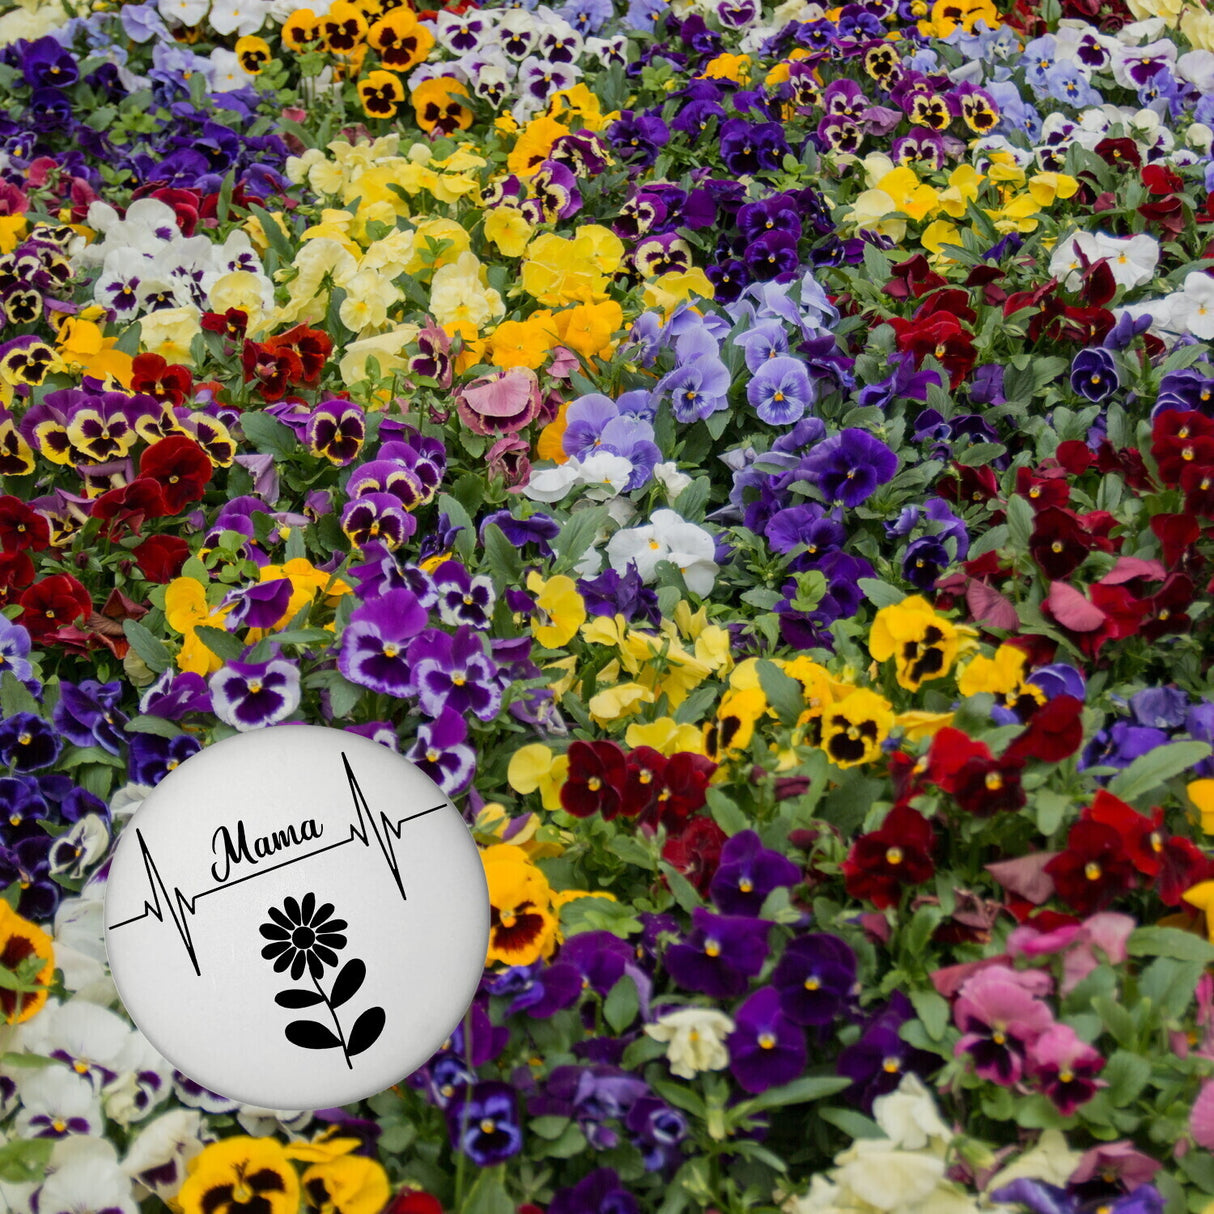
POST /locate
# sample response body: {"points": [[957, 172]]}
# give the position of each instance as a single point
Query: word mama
{"points": [[236, 850]]}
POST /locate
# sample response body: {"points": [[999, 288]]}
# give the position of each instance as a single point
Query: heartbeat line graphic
{"points": [[181, 908]]}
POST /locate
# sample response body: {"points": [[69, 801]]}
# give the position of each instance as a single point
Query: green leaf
{"points": [[1019, 521], [682, 1096], [800, 1091], [15, 697], [933, 1011], [850, 1122], [157, 725], [1126, 1074], [502, 557], [1169, 942], [980, 454], [576, 536], [549, 1127], [682, 889], [269, 435], [222, 644], [725, 812], [621, 1005], [25, 1159], [879, 593], [278, 239], [149, 648], [1157, 766], [783, 692], [691, 502], [488, 1196], [343, 697]]}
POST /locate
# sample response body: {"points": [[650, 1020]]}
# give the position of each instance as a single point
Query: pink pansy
{"points": [[1116, 1161], [500, 404], [1026, 876], [951, 978], [1102, 938], [1201, 1119], [1065, 1067], [1000, 1017]]}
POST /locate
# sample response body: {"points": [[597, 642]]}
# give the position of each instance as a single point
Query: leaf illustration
{"points": [[366, 1030], [298, 998], [346, 984], [311, 1035]]}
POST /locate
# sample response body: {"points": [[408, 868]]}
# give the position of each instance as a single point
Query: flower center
{"points": [[303, 937], [766, 1041], [1091, 870], [712, 948], [994, 781], [893, 855]]}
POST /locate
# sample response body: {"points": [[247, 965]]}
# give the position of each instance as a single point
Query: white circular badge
{"points": [[297, 917]]}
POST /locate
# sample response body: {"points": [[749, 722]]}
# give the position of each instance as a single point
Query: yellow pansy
{"points": [[727, 67], [562, 611], [937, 234], [876, 211], [1018, 214], [913, 198], [588, 329], [1047, 187], [20, 939], [535, 768], [679, 286], [235, 1171], [734, 725], [508, 229], [918, 725], [351, 1184], [622, 700], [327, 1145], [666, 735], [185, 608], [523, 343], [999, 675], [12, 231], [584, 110], [1201, 897], [533, 145], [522, 923], [962, 189], [429, 232], [924, 645], [854, 728], [83, 347], [1201, 793]]}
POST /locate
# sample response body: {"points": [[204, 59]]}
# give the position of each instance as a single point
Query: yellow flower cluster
{"points": [[896, 195]]}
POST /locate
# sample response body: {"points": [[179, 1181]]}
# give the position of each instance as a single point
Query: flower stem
{"points": [[336, 1023]]}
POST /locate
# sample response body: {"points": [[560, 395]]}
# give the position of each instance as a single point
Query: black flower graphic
{"points": [[303, 938], [302, 934]]}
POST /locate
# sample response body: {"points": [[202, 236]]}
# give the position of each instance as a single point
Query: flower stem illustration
{"points": [[304, 938]]}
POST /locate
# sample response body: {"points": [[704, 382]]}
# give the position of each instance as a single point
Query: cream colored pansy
{"points": [[460, 294], [388, 350], [695, 1040]]}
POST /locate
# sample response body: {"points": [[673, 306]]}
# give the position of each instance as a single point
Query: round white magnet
{"points": [[296, 917]]}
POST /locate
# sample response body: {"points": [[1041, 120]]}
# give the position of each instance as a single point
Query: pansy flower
{"points": [[374, 642], [522, 923], [882, 862], [27, 742], [253, 695], [766, 1048], [483, 1123], [230, 1175], [720, 954], [923, 644]]}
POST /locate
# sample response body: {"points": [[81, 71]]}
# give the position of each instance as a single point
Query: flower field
{"points": [[758, 460]]}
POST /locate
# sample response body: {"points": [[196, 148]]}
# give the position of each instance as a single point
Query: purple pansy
{"points": [[27, 864], [22, 809], [87, 714], [251, 695], [483, 1123], [152, 757], [766, 1048], [816, 978], [375, 641], [453, 670], [258, 606], [600, 1190], [441, 751], [462, 597], [27, 742], [849, 466], [747, 873], [720, 955]]}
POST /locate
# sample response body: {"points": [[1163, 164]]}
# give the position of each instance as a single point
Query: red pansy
{"points": [[168, 382], [274, 371], [16, 573], [1095, 868], [696, 851], [596, 779], [130, 504], [51, 603], [881, 862], [1054, 732], [22, 528], [181, 467], [160, 557]]}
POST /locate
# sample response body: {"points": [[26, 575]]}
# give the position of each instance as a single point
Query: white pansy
{"points": [[1200, 137], [887, 1178], [184, 12], [144, 1082], [1050, 1160], [157, 1159], [226, 72], [695, 1038], [128, 799], [909, 1115], [1192, 308], [1131, 260], [1197, 67], [56, 1103], [90, 1039], [673, 481], [666, 537], [86, 1179], [239, 17], [266, 1123], [80, 949], [74, 853], [603, 474]]}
